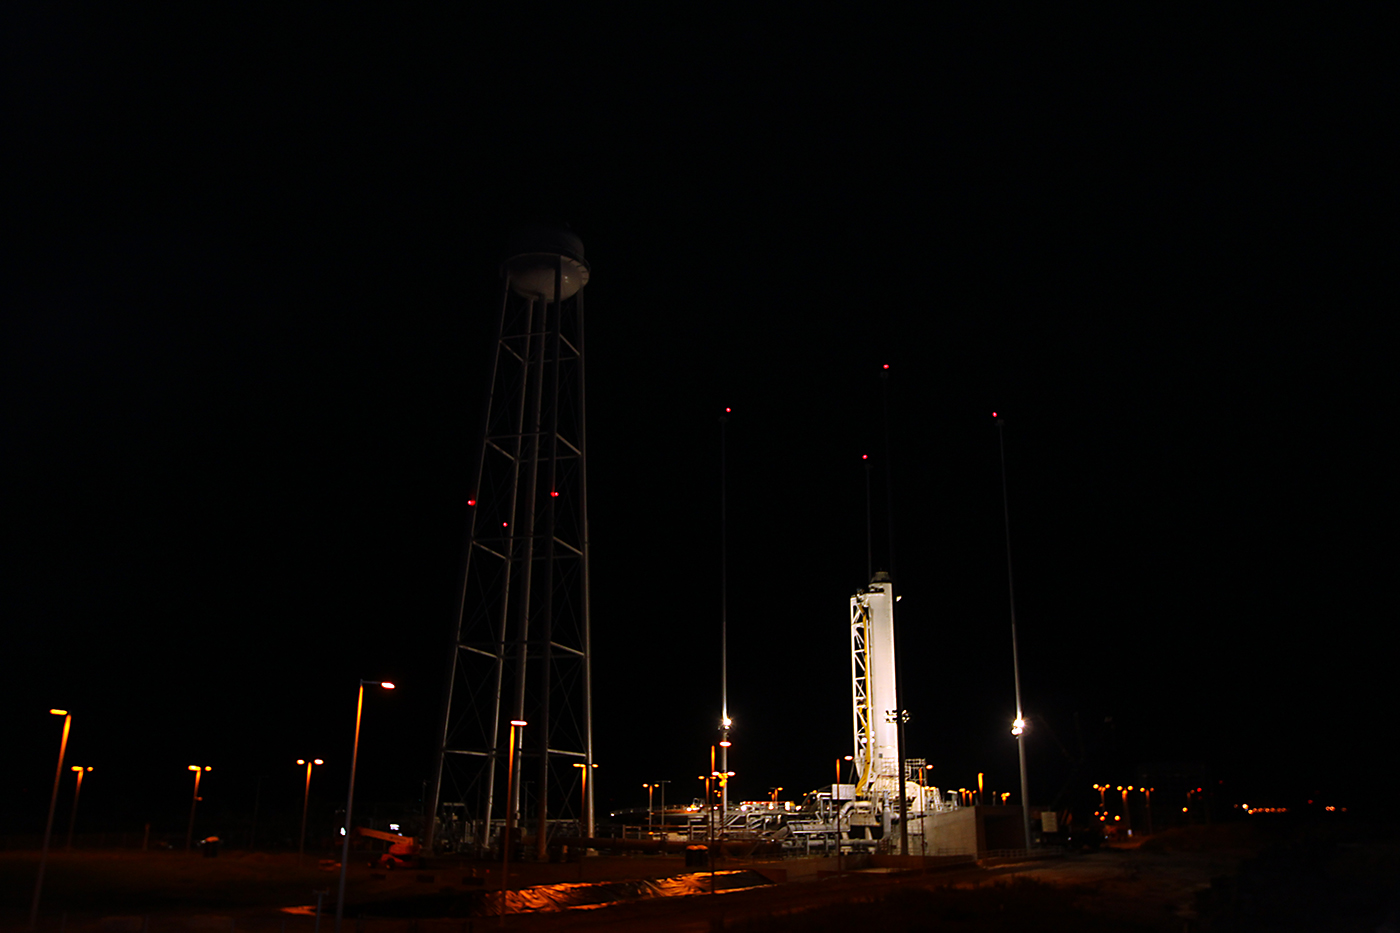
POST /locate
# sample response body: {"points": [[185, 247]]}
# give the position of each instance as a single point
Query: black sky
{"points": [[251, 300]]}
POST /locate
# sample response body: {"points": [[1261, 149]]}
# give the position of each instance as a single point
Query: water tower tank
{"points": [[536, 253]]}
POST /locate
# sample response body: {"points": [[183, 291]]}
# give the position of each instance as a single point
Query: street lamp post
{"points": [[583, 784], [709, 813], [350, 799], [194, 802], [650, 788], [77, 792], [662, 785], [305, 803], [836, 806], [506, 826], [53, 803], [1127, 814], [1018, 728], [1148, 792]]}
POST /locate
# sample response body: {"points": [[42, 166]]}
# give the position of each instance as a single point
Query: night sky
{"points": [[250, 295]]}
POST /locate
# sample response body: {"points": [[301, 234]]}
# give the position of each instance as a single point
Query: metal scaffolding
{"points": [[520, 650]]}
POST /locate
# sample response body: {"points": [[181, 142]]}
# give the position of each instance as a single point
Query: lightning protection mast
{"points": [[520, 649]]}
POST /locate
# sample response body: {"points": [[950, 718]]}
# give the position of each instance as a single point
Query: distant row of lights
{"points": [[1253, 810]]}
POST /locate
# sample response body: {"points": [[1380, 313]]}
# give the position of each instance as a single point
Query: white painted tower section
{"points": [[873, 691]]}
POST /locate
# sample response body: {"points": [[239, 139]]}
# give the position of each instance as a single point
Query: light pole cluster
{"points": [[199, 771], [1126, 816]]}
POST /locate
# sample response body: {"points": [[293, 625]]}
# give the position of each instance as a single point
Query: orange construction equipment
{"points": [[402, 850]]}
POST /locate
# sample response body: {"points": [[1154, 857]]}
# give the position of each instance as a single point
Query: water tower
{"points": [[520, 652]]}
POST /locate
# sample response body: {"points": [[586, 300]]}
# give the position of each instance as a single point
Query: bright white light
{"points": [[394, 827], [342, 830]]}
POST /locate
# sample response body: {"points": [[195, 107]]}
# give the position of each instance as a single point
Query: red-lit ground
{"points": [[1152, 887]]}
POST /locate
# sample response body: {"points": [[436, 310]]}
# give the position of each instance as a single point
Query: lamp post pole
{"points": [[53, 803], [507, 825], [836, 806], [305, 804], [724, 721], [663, 784], [1019, 727], [350, 800], [77, 792], [194, 802], [650, 788], [583, 785]]}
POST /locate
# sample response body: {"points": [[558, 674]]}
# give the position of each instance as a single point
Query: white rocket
{"points": [[873, 691]]}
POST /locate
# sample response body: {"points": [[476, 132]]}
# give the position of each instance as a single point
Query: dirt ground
{"points": [[1157, 887]]}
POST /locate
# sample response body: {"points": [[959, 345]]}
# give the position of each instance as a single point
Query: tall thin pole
{"points": [[869, 562], [538, 328], [903, 715], [510, 811], [663, 812], [723, 622], [889, 469], [1020, 726], [583, 544], [349, 804], [48, 826], [836, 805], [550, 358], [507, 567]]}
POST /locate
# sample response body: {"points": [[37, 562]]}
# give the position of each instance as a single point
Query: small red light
{"points": [[471, 502], [994, 414], [728, 410], [887, 365], [505, 524], [865, 456], [554, 494]]}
